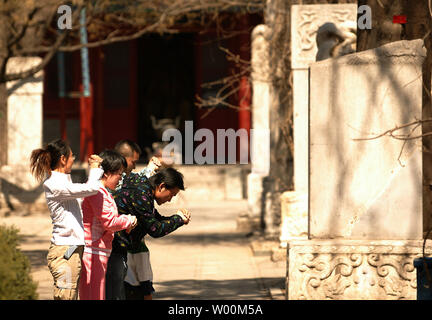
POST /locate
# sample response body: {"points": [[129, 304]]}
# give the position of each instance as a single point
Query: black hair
{"points": [[112, 161], [127, 147], [45, 159], [170, 177]]}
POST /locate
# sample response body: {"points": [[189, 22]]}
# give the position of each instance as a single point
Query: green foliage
{"points": [[15, 279]]}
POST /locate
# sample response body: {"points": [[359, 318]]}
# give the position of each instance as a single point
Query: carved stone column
{"points": [[260, 135], [305, 21]]}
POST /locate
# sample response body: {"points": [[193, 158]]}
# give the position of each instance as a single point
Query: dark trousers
{"points": [[138, 292], [115, 275]]}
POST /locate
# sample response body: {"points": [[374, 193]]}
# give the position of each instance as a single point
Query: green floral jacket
{"points": [[136, 197]]}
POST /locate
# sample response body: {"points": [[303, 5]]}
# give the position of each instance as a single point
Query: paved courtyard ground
{"points": [[205, 260]]}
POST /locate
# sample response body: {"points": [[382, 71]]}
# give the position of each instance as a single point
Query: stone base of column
{"points": [[294, 222], [294, 217], [248, 224], [255, 190], [353, 269], [251, 221]]}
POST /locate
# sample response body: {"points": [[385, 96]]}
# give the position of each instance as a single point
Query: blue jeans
{"points": [[115, 275]]}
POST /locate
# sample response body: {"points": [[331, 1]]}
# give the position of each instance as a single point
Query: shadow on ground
{"points": [[215, 238], [236, 289], [38, 258]]}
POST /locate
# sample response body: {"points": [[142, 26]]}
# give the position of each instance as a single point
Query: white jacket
{"points": [[64, 202]]}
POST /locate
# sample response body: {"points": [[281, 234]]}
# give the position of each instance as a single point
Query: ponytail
{"points": [[42, 161]]}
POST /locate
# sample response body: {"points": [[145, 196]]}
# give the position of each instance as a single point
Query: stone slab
{"points": [[366, 189]]}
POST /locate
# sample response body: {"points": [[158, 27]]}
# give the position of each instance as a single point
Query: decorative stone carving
{"points": [[335, 41], [305, 21], [353, 269]]}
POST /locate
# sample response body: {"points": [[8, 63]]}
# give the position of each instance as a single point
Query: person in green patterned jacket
{"points": [[136, 197], [117, 263]]}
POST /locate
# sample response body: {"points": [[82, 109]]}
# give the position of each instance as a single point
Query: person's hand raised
{"points": [[95, 161], [185, 214], [154, 164]]}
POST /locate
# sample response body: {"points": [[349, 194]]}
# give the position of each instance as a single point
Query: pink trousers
{"points": [[92, 282]]}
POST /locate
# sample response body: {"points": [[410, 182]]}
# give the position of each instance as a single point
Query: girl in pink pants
{"points": [[101, 220]]}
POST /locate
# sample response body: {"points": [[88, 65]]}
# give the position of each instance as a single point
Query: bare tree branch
{"points": [[390, 132], [18, 37], [28, 73], [34, 70]]}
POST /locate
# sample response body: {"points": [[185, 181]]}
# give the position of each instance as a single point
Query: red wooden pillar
{"points": [[245, 91], [244, 114], [245, 96], [86, 124]]}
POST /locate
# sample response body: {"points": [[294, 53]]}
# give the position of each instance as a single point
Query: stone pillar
{"points": [[364, 189], [366, 195], [305, 21], [18, 189], [260, 133]]}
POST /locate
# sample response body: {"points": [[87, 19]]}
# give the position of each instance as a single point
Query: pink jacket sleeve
{"points": [[110, 218]]}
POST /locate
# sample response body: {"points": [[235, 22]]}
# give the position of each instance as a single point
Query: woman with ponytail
{"points": [[52, 165]]}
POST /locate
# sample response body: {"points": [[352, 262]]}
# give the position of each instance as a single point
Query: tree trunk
{"points": [[281, 145], [3, 93], [384, 30], [3, 125]]}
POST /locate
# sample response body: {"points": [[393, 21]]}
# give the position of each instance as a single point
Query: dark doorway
{"points": [[166, 83], [116, 112]]}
